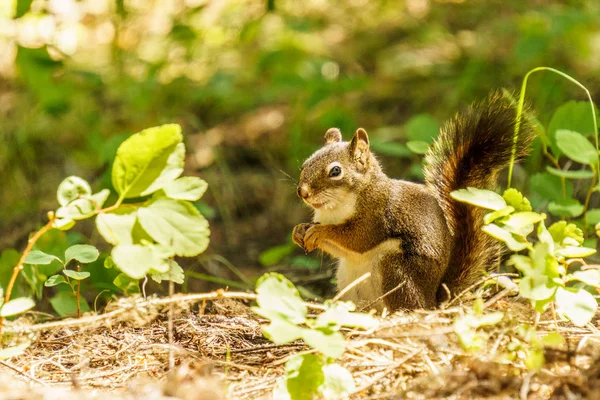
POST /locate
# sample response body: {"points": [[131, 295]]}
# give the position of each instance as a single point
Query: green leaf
{"points": [[37, 257], [418, 147], [279, 331], [578, 305], [576, 147], [339, 383], [566, 208], [174, 274], [515, 199], [548, 186], [330, 343], [176, 224], [275, 254], [578, 174], [72, 188], [65, 304], [84, 253], [304, 376], [148, 160], [590, 277], [341, 313], [593, 216], [13, 351], [391, 148], [16, 306], [77, 275], [535, 360], [422, 127], [553, 339], [562, 232], [100, 198], [138, 260], [479, 197], [573, 115], [277, 297], [117, 227], [126, 284], [77, 210], [63, 224], [524, 220], [186, 188], [55, 280], [513, 243], [575, 252], [495, 215]]}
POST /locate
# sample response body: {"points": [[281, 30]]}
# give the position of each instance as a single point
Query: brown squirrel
{"points": [[419, 244]]}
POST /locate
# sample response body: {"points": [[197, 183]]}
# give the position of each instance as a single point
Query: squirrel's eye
{"points": [[335, 171]]}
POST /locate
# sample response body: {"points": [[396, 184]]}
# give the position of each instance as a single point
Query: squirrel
{"points": [[420, 245]]}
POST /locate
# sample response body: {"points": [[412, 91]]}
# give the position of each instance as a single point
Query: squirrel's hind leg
{"points": [[405, 282]]}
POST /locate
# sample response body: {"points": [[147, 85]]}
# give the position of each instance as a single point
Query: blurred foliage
{"points": [[254, 85]]}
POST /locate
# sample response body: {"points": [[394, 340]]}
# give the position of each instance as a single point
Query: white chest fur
{"points": [[339, 212], [355, 265]]}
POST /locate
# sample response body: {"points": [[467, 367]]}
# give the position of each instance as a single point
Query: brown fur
{"points": [[427, 238]]}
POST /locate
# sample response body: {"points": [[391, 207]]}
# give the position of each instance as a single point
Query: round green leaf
{"points": [[418, 147], [117, 227], [279, 298], [578, 174], [566, 208], [72, 188], [16, 306], [480, 197], [77, 275], [84, 253], [37, 257], [593, 216], [339, 383], [55, 280], [505, 236], [576, 147], [578, 305], [575, 252], [189, 188], [175, 274], [148, 160], [77, 210], [422, 127], [304, 376], [138, 260], [175, 224]]}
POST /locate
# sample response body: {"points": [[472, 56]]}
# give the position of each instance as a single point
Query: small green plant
{"points": [[467, 327], [152, 221], [308, 375], [525, 344], [80, 252], [546, 276]]}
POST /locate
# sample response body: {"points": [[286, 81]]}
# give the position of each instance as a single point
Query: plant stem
{"points": [[522, 103], [78, 294], [587, 201], [19, 267]]}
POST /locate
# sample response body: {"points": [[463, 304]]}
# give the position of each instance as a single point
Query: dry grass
{"points": [[218, 351]]}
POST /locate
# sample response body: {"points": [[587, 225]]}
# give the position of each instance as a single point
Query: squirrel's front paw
{"points": [[299, 232], [312, 238]]}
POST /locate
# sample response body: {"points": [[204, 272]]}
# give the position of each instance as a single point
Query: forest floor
{"points": [[210, 346]]}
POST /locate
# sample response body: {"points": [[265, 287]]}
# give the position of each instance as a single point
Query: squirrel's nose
{"points": [[303, 192]]}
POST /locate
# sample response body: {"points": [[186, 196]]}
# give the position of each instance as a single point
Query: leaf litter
{"points": [[217, 351]]}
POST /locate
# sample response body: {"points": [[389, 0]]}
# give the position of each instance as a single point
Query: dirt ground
{"points": [[210, 346]]}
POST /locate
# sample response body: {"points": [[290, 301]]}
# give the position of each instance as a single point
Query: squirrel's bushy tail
{"points": [[470, 151]]}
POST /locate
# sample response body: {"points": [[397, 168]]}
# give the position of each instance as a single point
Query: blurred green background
{"points": [[255, 84]]}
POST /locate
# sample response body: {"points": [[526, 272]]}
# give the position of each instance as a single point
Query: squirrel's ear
{"points": [[359, 147], [333, 135]]}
